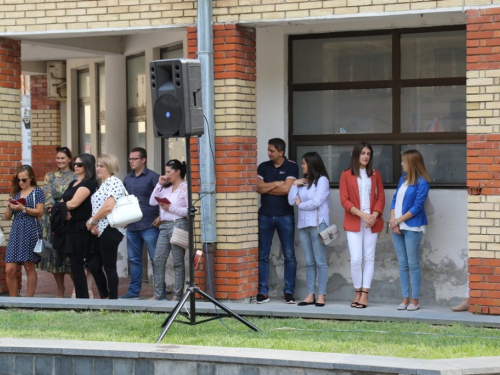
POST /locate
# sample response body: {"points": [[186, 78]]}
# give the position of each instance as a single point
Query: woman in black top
{"points": [[77, 199]]}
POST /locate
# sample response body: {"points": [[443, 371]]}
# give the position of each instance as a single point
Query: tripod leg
{"points": [[168, 322], [226, 309]]}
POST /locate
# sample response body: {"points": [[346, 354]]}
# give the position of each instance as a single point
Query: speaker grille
{"points": [[168, 115]]}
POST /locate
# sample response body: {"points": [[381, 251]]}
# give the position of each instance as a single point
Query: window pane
{"points": [[174, 52], [446, 163], [345, 111], [433, 55], [136, 82], [137, 134], [102, 137], [433, 109], [102, 88], [338, 158], [175, 148], [83, 84], [342, 59], [84, 129]]}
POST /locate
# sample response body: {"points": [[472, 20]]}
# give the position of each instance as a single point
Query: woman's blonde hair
{"points": [[415, 167], [110, 162]]}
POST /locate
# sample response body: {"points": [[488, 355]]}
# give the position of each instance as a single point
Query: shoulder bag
{"points": [[126, 211], [42, 247], [328, 235], [180, 237]]}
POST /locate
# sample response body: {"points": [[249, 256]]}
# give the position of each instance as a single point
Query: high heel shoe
{"points": [[362, 305], [354, 304], [91, 294]]}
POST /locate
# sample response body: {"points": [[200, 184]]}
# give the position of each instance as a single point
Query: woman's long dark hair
{"points": [[15, 183], [356, 152], [88, 162], [315, 168], [176, 165]]}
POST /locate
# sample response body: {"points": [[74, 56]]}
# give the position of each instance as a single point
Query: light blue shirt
{"points": [[314, 203]]}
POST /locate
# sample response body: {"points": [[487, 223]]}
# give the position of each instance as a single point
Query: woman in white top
{"points": [[362, 197], [173, 214], [104, 253], [310, 194]]}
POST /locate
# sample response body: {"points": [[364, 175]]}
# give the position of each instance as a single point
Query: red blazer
{"points": [[349, 197]]}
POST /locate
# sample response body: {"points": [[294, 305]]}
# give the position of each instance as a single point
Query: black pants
{"points": [[77, 261], [107, 281]]}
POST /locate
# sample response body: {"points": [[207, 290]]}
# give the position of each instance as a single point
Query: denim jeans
{"points": [[285, 226], [135, 242], [315, 254], [407, 245]]}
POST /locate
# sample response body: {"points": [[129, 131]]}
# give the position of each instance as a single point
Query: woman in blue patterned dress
{"points": [[55, 184], [26, 229]]}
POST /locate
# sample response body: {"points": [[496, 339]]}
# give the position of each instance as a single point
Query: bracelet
{"points": [[396, 222], [90, 222]]}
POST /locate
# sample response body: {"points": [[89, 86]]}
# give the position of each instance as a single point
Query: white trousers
{"points": [[362, 248]]}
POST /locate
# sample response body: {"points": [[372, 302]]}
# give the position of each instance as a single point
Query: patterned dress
{"points": [[25, 232], [55, 184]]}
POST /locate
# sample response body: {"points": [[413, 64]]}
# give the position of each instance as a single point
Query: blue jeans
{"points": [[285, 226], [315, 254], [407, 245], [135, 242]]}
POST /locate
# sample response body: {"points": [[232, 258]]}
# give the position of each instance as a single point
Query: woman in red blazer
{"points": [[363, 198]]}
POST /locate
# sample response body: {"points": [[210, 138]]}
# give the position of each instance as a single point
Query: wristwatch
{"points": [[396, 222], [90, 222], [24, 210]]}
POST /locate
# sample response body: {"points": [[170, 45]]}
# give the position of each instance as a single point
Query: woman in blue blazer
{"points": [[408, 221]]}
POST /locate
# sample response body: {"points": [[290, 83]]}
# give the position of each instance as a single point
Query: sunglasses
{"points": [[171, 163], [23, 180], [64, 149], [79, 165]]}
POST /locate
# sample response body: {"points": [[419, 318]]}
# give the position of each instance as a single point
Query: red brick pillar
{"points": [[10, 131], [46, 127], [483, 159], [236, 267]]}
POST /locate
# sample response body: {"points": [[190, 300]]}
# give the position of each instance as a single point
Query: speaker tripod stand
{"points": [[192, 288]]}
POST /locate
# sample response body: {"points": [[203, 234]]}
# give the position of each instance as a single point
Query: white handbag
{"points": [[126, 211]]}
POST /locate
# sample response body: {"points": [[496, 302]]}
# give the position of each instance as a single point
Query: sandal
{"points": [[362, 305], [354, 303]]}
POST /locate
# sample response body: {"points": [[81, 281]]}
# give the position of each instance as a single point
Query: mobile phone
{"points": [[162, 200], [18, 201]]}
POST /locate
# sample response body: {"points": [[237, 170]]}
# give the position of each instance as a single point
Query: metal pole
{"points": [[207, 142]]}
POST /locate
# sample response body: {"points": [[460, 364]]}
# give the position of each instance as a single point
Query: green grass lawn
{"points": [[412, 340]]}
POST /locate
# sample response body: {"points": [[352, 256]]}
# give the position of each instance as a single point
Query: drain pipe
{"points": [[207, 141]]}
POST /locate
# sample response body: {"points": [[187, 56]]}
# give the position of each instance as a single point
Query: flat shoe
{"points": [[403, 306], [317, 304], [304, 303], [412, 307]]}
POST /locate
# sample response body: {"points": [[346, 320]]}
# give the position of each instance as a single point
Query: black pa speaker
{"points": [[176, 97]]}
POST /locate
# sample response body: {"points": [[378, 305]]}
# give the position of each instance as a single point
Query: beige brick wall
{"points": [[46, 15], [235, 108], [46, 130], [10, 115]]}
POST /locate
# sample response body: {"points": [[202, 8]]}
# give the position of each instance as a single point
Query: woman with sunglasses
{"points": [[26, 229], [79, 207], [54, 185], [173, 214], [104, 252]]}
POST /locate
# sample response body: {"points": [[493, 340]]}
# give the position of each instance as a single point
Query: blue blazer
{"points": [[413, 201]]}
